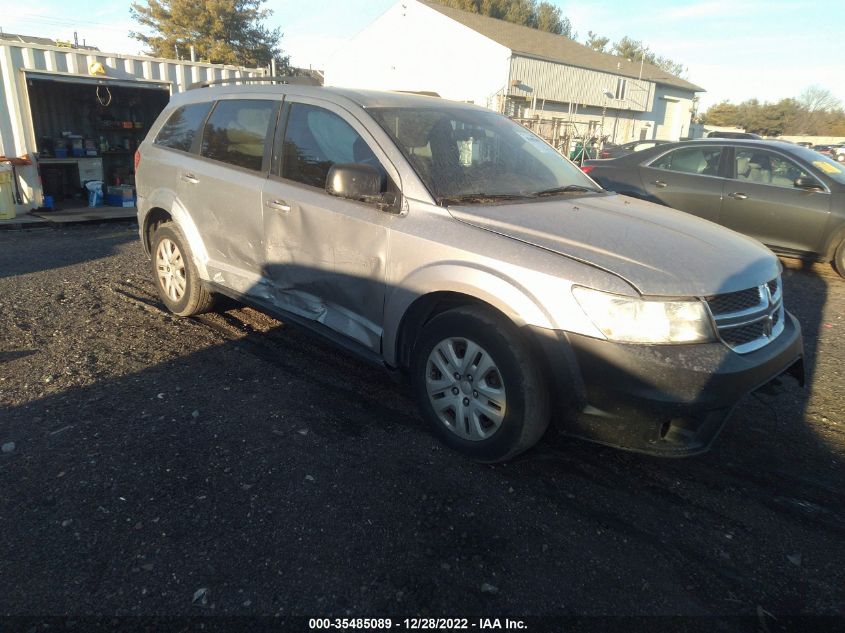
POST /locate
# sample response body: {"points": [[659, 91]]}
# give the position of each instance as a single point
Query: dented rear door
{"points": [[224, 184]]}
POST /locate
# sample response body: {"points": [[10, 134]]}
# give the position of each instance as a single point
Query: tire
{"points": [[508, 406], [175, 274], [839, 259]]}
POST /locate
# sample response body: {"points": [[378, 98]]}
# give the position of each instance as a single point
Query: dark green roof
{"points": [[524, 40]]}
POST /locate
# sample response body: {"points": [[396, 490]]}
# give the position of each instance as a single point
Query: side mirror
{"points": [[810, 184], [357, 181]]}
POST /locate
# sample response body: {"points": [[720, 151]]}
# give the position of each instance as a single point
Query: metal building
{"points": [[419, 45], [79, 113]]}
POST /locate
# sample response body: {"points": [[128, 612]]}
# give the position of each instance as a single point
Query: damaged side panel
{"points": [[326, 264], [227, 213]]}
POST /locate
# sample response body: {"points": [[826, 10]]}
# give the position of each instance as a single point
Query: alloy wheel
{"points": [[170, 268]]}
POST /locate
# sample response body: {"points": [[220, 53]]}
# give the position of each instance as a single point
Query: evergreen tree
{"points": [[221, 31], [816, 112], [537, 15], [597, 42]]}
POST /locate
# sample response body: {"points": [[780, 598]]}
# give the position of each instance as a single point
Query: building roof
{"points": [[41, 41], [317, 75], [557, 48]]}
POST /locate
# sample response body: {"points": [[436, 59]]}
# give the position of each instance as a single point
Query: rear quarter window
{"points": [[182, 126], [691, 160]]}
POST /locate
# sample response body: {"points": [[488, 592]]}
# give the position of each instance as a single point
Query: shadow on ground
{"points": [[284, 477]]}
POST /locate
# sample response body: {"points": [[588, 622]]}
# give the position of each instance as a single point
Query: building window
{"points": [[621, 88]]}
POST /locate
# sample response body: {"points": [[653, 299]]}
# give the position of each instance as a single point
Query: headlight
{"points": [[631, 320]]}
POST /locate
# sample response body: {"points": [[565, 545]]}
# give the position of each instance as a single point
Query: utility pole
{"points": [[642, 60], [607, 95]]}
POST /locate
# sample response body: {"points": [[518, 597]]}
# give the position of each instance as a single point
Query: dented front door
{"points": [[325, 256]]}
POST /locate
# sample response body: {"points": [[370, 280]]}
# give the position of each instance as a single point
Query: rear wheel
{"points": [[477, 384], [176, 277]]}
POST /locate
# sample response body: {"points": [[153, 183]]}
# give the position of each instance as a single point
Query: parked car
{"points": [[615, 151], [718, 134], [454, 247], [789, 197], [839, 153], [829, 149]]}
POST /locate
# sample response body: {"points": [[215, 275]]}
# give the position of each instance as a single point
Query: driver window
{"points": [[315, 140], [760, 166]]}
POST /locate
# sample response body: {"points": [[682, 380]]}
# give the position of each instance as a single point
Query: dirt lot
{"points": [[234, 465]]}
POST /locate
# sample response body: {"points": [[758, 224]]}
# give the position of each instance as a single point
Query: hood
{"points": [[658, 250]]}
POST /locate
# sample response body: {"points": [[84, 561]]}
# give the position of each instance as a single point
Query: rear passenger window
{"points": [[316, 139], [691, 160], [182, 126], [237, 131]]}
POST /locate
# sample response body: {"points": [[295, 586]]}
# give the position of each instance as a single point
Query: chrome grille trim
{"points": [[736, 328]]}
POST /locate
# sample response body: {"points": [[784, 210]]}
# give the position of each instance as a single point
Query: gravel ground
{"points": [[231, 464]]}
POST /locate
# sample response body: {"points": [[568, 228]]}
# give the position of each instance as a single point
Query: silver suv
{"points": [[450, 244]]}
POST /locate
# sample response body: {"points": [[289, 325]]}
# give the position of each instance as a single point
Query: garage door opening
{"points": [[89, 131]]}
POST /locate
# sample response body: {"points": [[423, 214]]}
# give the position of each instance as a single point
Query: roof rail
{"points": [[298, 80]]}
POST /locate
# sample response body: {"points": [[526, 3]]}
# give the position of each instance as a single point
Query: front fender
{"points": [[488, 286]]}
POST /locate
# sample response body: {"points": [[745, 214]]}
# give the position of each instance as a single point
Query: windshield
{"points": [[465, 155]]}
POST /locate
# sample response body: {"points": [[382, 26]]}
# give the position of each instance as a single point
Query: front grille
{"points": [[743, 334], [735, 301], [748, 319]]}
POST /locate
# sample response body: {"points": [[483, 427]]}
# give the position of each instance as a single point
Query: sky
{"points": [[735, 49]]}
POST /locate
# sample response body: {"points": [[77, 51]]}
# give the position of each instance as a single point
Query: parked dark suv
{"points": [[789, 197]]}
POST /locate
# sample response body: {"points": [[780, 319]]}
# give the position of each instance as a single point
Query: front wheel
{"points": [[478, 385]]}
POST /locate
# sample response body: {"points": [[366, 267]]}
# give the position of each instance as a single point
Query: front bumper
{"points": [[669, 400]]}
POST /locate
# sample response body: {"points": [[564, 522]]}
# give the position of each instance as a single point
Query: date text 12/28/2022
{"points": [[415, 624]]}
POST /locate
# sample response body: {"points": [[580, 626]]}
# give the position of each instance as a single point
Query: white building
{"points": [[427, 47], [77, 126]]}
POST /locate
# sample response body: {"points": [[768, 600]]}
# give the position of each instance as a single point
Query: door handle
{"points": [[736, 195], [187, 177], [278, 205], [660, 184]]}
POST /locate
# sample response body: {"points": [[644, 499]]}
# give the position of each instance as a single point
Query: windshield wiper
{"points": [[481, 198], [567, 189]]}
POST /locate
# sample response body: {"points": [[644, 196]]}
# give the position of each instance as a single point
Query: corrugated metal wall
{"points": [[66, 60], [17, 136], [570, 84]]}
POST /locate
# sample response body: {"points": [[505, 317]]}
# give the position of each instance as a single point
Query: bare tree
{"points": [[818, 99], [817, 102]]}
